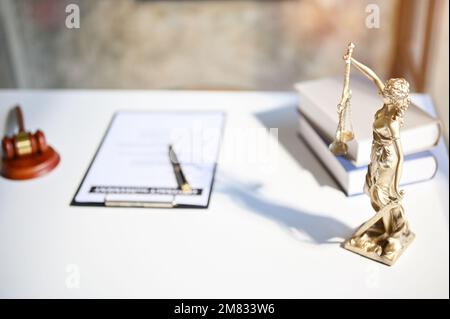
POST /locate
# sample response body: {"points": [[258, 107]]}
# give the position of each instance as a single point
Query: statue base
{"points": [[378, 252]]}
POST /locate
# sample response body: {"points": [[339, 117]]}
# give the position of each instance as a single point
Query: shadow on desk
{"points": [[286, 120], [320, 229]]}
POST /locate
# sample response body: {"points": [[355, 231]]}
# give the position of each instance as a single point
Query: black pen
{"points": [[181, 179]]}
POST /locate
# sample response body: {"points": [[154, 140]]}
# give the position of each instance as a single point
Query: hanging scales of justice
{"points": [[344, 131], [386, 235]]}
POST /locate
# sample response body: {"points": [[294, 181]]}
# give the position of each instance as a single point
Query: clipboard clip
{"points": [[140, 203], [127, 196]]}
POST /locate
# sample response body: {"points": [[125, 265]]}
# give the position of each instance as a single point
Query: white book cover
{"points": [[319, 99]]}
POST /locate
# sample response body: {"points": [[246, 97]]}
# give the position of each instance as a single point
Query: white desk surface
{"points": [[273, 230]]}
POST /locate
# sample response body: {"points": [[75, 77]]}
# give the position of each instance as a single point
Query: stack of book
{"points": [[318, 122]]}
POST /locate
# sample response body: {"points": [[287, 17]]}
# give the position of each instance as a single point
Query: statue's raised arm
{"points": [[369, 73]]}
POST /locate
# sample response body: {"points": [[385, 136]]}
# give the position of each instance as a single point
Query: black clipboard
{"points": [[148, 204]]}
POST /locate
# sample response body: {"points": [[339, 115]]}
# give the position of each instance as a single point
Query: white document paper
{"points": [[133, 164]]}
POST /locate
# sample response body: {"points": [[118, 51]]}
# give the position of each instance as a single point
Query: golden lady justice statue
{"points": [[386, 235]]}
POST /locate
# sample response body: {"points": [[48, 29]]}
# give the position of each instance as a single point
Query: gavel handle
{"points": [[19, 117]]}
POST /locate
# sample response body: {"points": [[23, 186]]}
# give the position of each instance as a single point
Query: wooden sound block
{"points": [[30, 166]]}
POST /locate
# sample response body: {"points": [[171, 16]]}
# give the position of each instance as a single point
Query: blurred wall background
{"points": [[438, 85], [183, 44], [209, 44]]}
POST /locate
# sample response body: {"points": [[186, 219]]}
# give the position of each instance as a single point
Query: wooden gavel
{"points": [[26, 155]]}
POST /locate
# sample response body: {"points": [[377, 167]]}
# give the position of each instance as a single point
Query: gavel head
{"points": [[24, 144]]}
